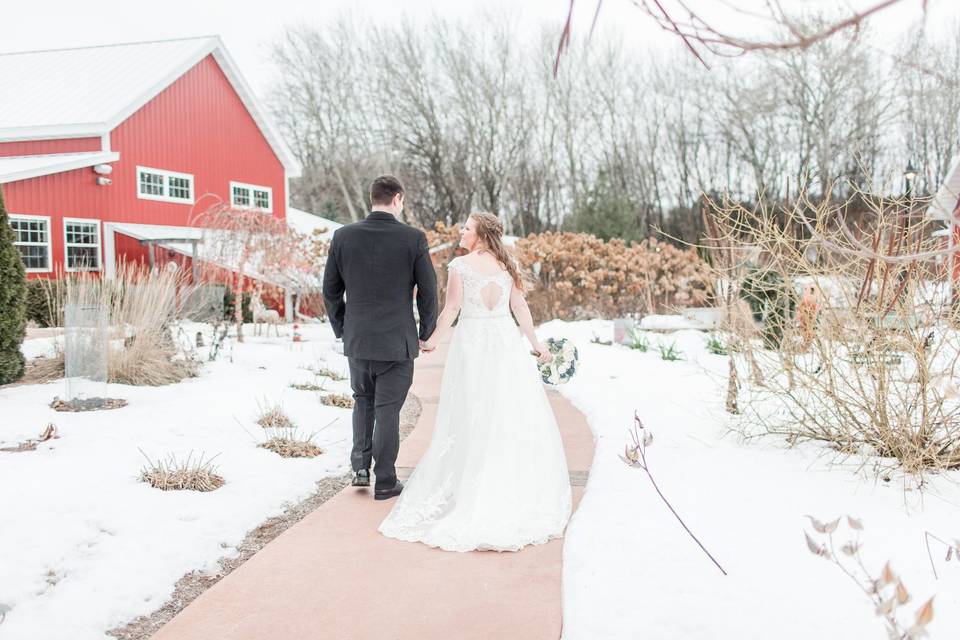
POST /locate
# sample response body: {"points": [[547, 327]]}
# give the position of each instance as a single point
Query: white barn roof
{"points": [[306, 223], [88, 91], [945, 201]]}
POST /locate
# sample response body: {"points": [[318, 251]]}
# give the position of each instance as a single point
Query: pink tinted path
{"points": [[332, 575]]}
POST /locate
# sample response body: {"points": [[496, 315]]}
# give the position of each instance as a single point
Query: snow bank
{"points": [[85, 546], [630, 571]]}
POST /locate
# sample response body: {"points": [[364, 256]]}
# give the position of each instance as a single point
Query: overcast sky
{"points": [[249, 26]]}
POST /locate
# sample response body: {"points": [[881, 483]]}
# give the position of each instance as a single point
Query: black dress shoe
{"points": [[361, 478], [386, 494]]}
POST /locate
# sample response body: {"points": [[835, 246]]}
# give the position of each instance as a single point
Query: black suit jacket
{"points": [[377, 262]]}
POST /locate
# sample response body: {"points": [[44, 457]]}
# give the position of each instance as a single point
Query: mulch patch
{"points": [[87, 404]]}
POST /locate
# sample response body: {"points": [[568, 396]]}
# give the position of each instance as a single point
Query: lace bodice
{"points": [[479, 290]]}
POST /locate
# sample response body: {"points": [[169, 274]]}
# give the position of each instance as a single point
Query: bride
{"points": [[495, 475]]}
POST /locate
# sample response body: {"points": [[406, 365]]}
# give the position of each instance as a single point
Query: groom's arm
{"points": [[333, 290], [426, 280]]}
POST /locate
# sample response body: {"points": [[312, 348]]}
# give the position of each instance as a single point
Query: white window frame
{"points": [[48, 244], [166, 175], [66, 246], [251, 187]]}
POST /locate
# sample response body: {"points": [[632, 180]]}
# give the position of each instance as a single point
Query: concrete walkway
{"points": [[332, 575]]}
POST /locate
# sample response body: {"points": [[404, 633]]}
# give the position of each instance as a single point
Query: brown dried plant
{"points": [[886, 591], [577, 275], [341, 400], [273, 417], [173, 474], [289, 444], [635, 455], [866, 367], [953, 550], [142, 304]]}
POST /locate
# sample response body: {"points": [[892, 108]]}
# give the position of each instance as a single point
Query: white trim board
{"points": [[26, 167]]}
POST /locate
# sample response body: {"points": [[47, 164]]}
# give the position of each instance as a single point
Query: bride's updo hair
{"points": [[490, 235]]}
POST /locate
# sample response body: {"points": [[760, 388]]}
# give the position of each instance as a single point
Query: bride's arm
{"points": [[518, 304], [451, 307]]}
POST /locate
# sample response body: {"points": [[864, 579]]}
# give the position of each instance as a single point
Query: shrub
{"points": [[443, 241], [229, 305], [771, 301], [13, 294], [39, 308], [577, 275]]}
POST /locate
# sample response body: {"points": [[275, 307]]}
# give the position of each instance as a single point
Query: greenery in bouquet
{"points": [[564, 363]]}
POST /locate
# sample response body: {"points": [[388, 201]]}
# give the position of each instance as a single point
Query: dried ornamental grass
{"points": [[172, 474], [45, 369], [326, 372], [305, 386], [337, 400], [142, 305], [273, 417], [291, 446]]}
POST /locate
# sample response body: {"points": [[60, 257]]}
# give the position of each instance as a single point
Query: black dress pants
{"points": [[379, 390]]}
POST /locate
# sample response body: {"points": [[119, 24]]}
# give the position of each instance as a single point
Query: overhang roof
{"points": [[89, 91]]}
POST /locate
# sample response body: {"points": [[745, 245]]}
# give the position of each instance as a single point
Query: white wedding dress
{"points": [[495, 474]]}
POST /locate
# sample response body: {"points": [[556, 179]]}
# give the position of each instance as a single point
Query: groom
{"points": [[377, 262]]}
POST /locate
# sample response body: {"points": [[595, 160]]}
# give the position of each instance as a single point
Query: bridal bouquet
{"points": [[564, 363]]}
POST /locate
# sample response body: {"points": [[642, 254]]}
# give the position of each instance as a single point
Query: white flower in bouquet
{"points": [[564, 363]]}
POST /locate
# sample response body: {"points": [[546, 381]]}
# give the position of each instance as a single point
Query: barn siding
{"points": [[197, 125]]}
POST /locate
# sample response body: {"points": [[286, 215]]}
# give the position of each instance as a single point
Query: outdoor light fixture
{"points": [[103, 182], [910, 172], [103, 169]]}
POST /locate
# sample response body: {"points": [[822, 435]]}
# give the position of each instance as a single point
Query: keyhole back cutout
{"points": [[490, 294]]}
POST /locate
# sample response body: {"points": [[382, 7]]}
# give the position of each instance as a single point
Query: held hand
{"points": [[427, 345], [542, 353]]}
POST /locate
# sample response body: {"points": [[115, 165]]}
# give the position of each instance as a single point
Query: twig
{"points": [[636, 456], [951, 550]]}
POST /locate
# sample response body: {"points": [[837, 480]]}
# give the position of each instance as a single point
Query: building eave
{"points": [[207, 46], [58, 163]]}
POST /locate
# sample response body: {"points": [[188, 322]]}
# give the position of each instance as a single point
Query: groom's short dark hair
{"points": [[384, 189]]}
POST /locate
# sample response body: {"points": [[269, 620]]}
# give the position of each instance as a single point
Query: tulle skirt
{"points": [[495, 475]]}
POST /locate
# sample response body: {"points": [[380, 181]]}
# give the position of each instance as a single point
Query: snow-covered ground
{"points": [[630, 571], [86, 546]]}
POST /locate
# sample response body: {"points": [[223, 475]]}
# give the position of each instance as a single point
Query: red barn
{"points": [[110, 152]]}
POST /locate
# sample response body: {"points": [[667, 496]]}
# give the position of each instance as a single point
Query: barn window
{"points": [[180, 188], [261, 199], [251, 196], [166, 186], [241, 196], [32, 238], [82, 244], [151, 184]]}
